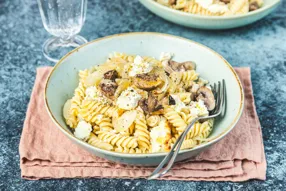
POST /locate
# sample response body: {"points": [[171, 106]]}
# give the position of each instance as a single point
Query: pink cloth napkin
{"points": [[46, 153]]}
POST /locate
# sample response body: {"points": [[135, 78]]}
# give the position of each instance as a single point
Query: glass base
{"points": [[55, 48]]}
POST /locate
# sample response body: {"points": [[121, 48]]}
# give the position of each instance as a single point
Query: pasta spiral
{"points": [[90, 109], [208, 128], [77, 99], [185, 79], [83, 74], [187, 117], [195, 8], [94, 141], [151, 60], [187, 144], [175, 119], [185, 97], [72, 121], [173, 139], [117, 139], [153, 120], [141, 130], [104, 123], [199, 129], [95, 128], [127, 58]]}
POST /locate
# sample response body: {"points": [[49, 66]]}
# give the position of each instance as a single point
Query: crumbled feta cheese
{"points": [[194, 111], [140, 67], [128, 99], [91, 92], [179, 104], [218, 8], [199, 108], [83, 129], [166, 56], [212, 6], [159, 136], [204, 3]]}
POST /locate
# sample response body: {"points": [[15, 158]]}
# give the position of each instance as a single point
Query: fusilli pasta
{"points": [[77, 99], [118, 140], [90, 110], [214, 8], [185, 79], [134, 104], [94, 141], [141, 130], [175, 119]]}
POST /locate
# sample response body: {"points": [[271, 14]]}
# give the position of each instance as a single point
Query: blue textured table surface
{"points": [[261, 46]]}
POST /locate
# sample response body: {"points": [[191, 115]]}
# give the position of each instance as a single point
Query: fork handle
{"points": [[171, 157]]}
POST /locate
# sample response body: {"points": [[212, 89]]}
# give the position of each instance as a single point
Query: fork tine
{"points": [[223, 93], [218, 98], [222, 98], [215, 88]]}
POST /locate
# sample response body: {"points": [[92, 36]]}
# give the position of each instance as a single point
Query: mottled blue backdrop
{"points": [[262, 46]]}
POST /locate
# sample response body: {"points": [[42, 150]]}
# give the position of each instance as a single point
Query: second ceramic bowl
{"points": [[210, 22]]}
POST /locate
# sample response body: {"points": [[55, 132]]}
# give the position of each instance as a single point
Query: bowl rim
{"points": [[139, 155], [181, 13]]}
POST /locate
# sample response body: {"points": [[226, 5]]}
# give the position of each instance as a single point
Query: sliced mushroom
{"points": [[144, 105], [253, 6], [173, 66], [193, 97], [108, 88], [167, 100], [150, 104], [188, 65], [172, 2], [147, 81], [225, 1], [111, 75], [206, 95]]}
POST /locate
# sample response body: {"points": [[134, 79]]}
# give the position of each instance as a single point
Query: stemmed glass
{"points": [[64, 20]]}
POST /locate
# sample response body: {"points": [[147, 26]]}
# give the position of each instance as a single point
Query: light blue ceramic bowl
{"points": [[210, 22], [64, 79]]}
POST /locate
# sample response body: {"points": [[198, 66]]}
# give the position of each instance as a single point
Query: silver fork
{"points": [[219, 92]]}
